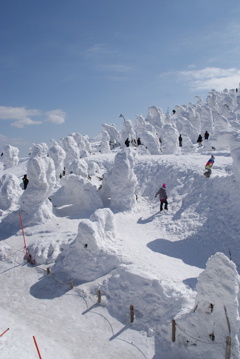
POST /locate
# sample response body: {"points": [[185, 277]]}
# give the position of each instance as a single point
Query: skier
{"points": [[208, 167], [206, 135], [25, 181], [162, 197]]}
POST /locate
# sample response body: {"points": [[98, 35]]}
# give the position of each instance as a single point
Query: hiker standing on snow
{"points": [[199, 140], [162, 197], [180, 140], [206, 135], [25, 181]]}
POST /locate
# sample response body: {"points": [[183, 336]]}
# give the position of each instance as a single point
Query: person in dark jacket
{"points": [[127, 142], [25, 181], [199, 140], [180, 140], [206, 135], [162, 197]]}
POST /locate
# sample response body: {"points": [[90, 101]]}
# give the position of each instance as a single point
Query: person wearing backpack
{"points": [[162, 193], [208, 166]]}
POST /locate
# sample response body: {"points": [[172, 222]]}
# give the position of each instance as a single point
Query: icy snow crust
{"points": [[98, 244]]}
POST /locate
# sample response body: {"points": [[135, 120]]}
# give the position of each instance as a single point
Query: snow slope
{"points": [[160, 257]]}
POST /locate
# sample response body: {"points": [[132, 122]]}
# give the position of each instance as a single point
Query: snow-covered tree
{"points": [[10, 156]]}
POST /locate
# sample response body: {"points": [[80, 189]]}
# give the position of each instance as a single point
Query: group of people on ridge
{"points": [[133, 142], [199, 139]]}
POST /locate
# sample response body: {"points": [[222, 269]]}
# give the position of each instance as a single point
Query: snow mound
{"points": [[129, 285], [44, 252], [92, 254], [79, 192]]}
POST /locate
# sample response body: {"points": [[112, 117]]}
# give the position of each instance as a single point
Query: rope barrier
{"points": [[86, 303], [198, 340]]}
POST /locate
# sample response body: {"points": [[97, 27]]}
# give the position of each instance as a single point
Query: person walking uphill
{"points": [[162, 197]]}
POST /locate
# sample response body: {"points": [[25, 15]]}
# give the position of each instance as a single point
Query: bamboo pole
{"points": [[99, 296], [131, 313], [23, 234], [173, 330]]}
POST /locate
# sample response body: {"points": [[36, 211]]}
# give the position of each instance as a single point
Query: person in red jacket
{"points": [[162, 197]]}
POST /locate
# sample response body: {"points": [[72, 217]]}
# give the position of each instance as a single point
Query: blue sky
{"points": [[71, 65]]}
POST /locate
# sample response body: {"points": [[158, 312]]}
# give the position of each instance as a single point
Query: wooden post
{"points": [[24, 238], [71, 284], [99, 296], [173, 330], [131, 313], [228, 347]]}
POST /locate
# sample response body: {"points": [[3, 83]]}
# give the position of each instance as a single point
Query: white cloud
{"points": [[24, 117], [13, 113], [211, 78], [25, 122], [55, 116]]}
